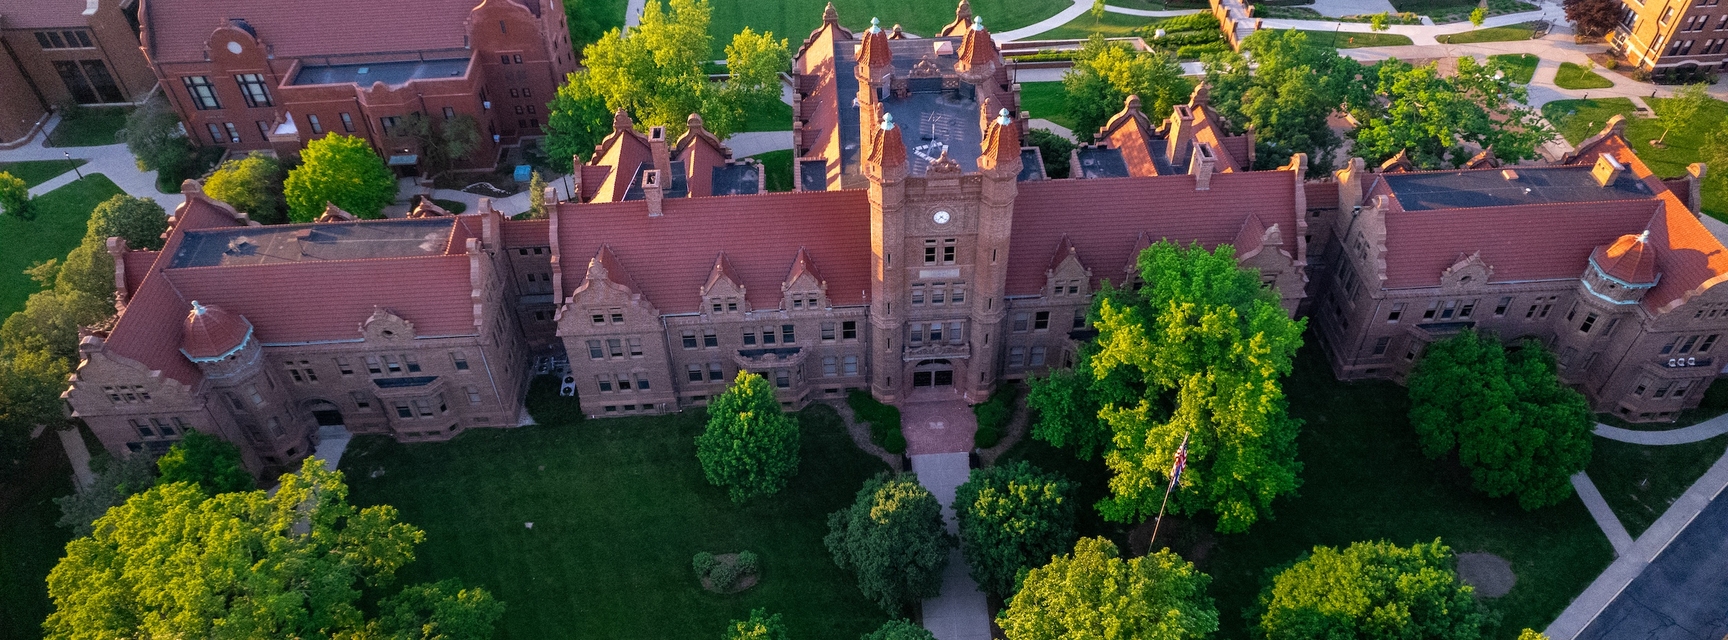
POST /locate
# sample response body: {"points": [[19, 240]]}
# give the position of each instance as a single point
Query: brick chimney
{"points": [[1181, 133], [576, 178], [657, 147], [1201, 164], [1694, 186], [652, 190]]}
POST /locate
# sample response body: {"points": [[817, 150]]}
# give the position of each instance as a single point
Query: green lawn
{"points": [[1443, 11], [1579, 119], [59, 225], [35, 172], [618, 506], [776, 117], [794, 19], [1114, 25], [777, 169], [1522, 31], [1519, 67], [1364, 478], [589, 19], [1046, 100], [1639, 482], [1572, 76], [91, 128], [33, 545], [1349, 40]]}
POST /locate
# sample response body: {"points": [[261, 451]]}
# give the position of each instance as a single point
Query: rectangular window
{"points": [[782, 378], [1016, 357], [1021, 321], [1381, 344], [749, 337], [767, 335], [948, 249], [233, 133], [449, 113], [935, 332], [827, 332], [830, 366], [347, 122], [402, 410], [849, 330], [695, 372], [594, 352], [689, 339], [387, 123], [1686, 347], [930, 251], [1467, 310], [342, 366], [360, 400], [605, 382], [1433, 308], [917, 333], [1037, 357], [641, 382], [917, 295], [1500, 309], [423, 407], [216, 135], [1079, 319], [1041, 321], [1397, 312], [1662, 391], [460, 360], [1709, 341], [142, 429], [850, 365], [1589, 321], [202, 92], [413, 364], [252, 392], [617, 316], [709, 339], [1669, 348], [958, 294], [715, 373], [955, 332], [938, 293], [254, 89], [372, 366], [635, 347], [615, 347], [263, 129], [312, 122], [473, 394], [1450, 308], [1546, 307], [788, 334]]}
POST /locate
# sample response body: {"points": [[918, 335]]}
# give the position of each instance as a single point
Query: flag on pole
{"points": [[1181, 461]]}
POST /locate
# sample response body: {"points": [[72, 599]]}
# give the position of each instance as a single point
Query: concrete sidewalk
{"points": [[1696, 433], [961, 612], [113, 161], [1600, 511]]}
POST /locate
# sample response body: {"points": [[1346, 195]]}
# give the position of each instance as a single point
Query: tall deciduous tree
{"points": [[173, 562], [442, 610], [50, 322], [89, 268], [342, 170], [1198, 353], [1106, 73], [750, 446], [1371, 590], [154, 137], [443, 141], [899, 630], [655, 72], [1094, 593], [1679, 110], [116, 480], [207, 461], [252, 184], [1286, 95], [30, 386], [893, 540], [536, 196], [1439, 120], [15, 197], [1013, 517], [1593, 18], [1511, 422], [141, 221]]}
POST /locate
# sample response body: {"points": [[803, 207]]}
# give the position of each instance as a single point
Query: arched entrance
{"points": [[933, 373], [326, 413]]}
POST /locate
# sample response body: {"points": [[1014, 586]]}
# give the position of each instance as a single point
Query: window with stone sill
{"points": [[694, 372], [715, 372], [641, 382], [1037, 357], [850, 365], [827, 332], [617, 316], [1041, 321], [710, 340], [689, 340], [788, 334], [604, 381], [635, 347], [782, 378], [749, 337], [361, 402], [473, 394], [413, 365], [849, 330], [460, 360], [1022, 320], [594, 351], [830, 366], [1016, 357], [615, 347], [768, 336]]}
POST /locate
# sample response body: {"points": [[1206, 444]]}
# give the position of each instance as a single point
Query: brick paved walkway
{"points": [[937, 426]]}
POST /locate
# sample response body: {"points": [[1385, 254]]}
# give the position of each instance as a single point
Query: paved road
{"points": [[1681, 595]]}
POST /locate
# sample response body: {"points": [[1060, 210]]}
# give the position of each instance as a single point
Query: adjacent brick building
{"points": [[925, 254], [67, 51], [1675, 40], [264, 77]]}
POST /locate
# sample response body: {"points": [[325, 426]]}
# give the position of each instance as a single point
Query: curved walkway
{"points": [[1696, 433], [1065, 16], [112, 160]]}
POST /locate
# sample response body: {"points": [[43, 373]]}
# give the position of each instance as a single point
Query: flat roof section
{"points": [[390, 73], [1509, 187], [933, 116], [314, 242]]}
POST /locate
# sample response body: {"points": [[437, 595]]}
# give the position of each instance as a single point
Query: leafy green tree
{"points": [[750, 446], [252, 184], [1198, 354], [1097, 11], [1013, 517], [15, 197], [1371, 590], [654, 71], [893, 539], [1511, 422], [1532, 634], [443, 142], [1286, 95], [89, 268], [30, 386], [140, 221], [1106, 73], [1478, 16], [1054, 148], [116, 480], [1679, 110], [899, 630], [1094, 593], [760, 626], [154, 137], [536, 196], [1714, 153], [175, 562], [342, 170], [1593, 18], [50, 322], [1378, 21], [207, 461], [1439, 120]]}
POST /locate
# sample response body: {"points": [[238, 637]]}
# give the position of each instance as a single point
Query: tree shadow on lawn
{"points": [[619, 506]]}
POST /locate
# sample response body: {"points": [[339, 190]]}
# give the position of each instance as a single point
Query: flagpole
{"points": [[1175, 474]]}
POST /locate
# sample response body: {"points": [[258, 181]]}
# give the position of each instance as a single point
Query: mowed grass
{"points": [[93, 127], [776, 116], [1576, 77], [1365, 478], [32, 543], [776, 169], [1113, 25], [35, 172], [1519, 67], [795, 19], [59, 225], [1509, 33], [1351, 40], [1580, 119], [619, 506], [1047, 100], [1640, 481]]}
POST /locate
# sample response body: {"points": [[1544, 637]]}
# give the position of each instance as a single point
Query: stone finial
{"points": [[621, 121], [694, 122], [1201, 97], [830, 15]]}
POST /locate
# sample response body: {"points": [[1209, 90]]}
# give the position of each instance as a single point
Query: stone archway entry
{"points": [[327, 414], [933, 373]]}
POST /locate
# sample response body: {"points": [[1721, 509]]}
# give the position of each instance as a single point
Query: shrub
{"points": [[884, 420], [1369, 590], [1054, 148], [760, 626], [1611, 64], [993, 415], [724, 575], [14, 197], [703, 563], [899, 630], [748, 563]]}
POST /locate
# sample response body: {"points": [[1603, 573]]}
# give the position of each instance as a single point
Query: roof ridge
{"points": [[462, 256]]}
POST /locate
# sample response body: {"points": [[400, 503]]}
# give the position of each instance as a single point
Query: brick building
{"points": [[1675, 40], [67, 51], [262, 77], [924, 254]]}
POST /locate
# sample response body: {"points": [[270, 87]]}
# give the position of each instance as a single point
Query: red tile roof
{"points": [[874, 53], [137, 266], [212, 332], [670, 257], [977, 47], [1103, 218], [41, 14], [1630, 259], [526, 233], [1321, 195], [177, 30]]}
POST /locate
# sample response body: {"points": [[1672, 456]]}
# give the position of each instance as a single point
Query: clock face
{"points": [[941, 217]]}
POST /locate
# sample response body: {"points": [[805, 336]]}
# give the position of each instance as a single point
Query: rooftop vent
{"points": [[1509, 174], [241, 245], [1607, 170]]}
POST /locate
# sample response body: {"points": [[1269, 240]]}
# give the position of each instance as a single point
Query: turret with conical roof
{"points": [[979, 58], [1623, 271], [219, 342]]}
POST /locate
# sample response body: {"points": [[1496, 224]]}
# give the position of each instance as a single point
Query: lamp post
{"points": [[75, 170]]}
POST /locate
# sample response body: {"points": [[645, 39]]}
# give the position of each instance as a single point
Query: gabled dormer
{"points": [[723, 293], [1067, 278], [804, 289], [606, 300]]}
